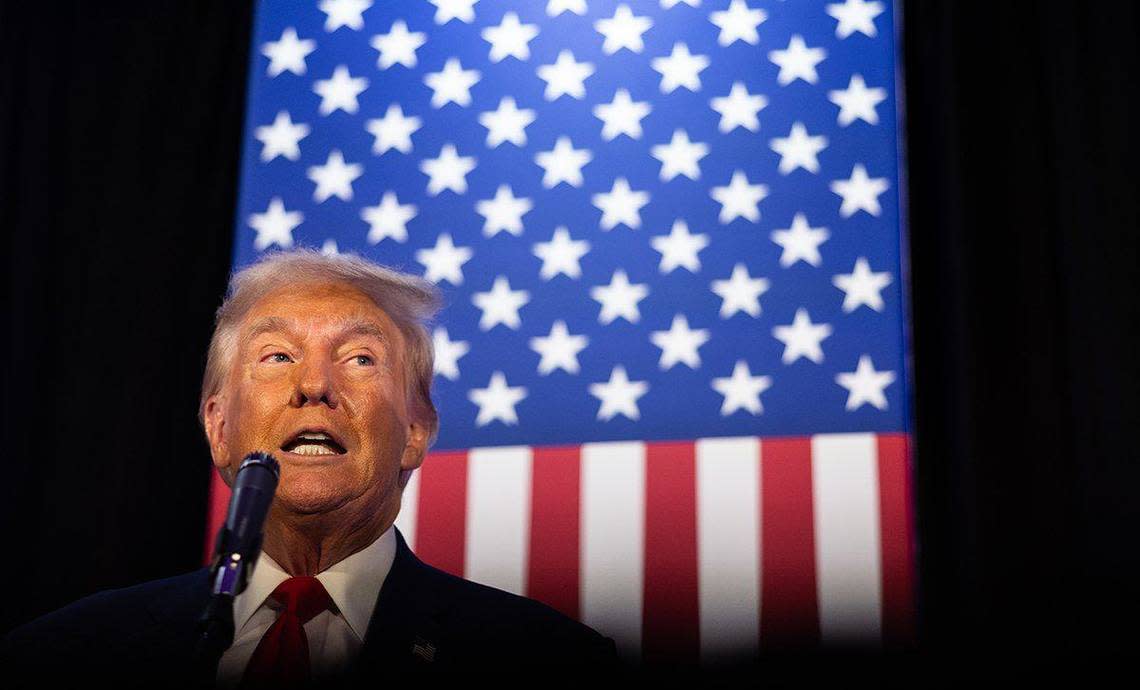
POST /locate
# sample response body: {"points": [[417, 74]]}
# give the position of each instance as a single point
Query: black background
{"points": [[118, 161]]}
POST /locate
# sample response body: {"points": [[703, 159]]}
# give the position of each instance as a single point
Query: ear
{"points": [[414, 450], [214, 416]]}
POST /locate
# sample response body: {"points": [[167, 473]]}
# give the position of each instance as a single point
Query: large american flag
{"points": [[671, 366]]}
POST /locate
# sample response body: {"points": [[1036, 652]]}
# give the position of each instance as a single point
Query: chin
{"points": [[312, 491]]}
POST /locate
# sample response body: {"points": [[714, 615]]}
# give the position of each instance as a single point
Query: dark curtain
{"points": [[1024, 204], [119, 136], [120, 131]]}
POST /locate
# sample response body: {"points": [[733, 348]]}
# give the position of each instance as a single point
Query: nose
{"points": [[314, 385]]}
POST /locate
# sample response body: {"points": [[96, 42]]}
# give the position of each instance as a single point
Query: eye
{"points": [[363, 360], [284, 357]]}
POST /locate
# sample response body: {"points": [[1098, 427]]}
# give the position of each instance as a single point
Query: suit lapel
{"points": [[405, 629]]}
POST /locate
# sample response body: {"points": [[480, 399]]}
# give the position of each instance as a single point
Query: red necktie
{"points": [[282, 657]]}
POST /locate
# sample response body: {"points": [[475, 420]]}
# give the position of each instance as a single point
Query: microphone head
{"points": [[254, 464]]}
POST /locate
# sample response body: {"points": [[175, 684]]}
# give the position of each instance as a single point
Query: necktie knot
{"points": [[281, 659], [304, 597]]}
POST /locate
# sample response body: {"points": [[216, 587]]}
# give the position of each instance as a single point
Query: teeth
{"points": [[315, 436], [312, 449]]}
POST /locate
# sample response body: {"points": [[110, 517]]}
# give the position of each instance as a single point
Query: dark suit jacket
{"points": [[426, 621]]}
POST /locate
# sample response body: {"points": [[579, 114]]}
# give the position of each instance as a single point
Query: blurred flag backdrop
{"points": [[671, 366]]}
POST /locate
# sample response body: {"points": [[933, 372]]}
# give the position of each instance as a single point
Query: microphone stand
{"points": [[235, 554], [216, 624]]}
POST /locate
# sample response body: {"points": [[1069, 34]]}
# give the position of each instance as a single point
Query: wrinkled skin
{"points": [[316, 374]]}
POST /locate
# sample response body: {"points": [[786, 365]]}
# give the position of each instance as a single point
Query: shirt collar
{"points": [[353, 583]]}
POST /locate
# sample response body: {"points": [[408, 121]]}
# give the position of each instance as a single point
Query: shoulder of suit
{"points": [[489, 609], [109, 611]]}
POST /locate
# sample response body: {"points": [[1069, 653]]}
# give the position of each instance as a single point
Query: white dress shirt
{"points": [[335, 635]]}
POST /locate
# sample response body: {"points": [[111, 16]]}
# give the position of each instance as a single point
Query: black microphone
{"points": [[235, 553], [239, 540]]}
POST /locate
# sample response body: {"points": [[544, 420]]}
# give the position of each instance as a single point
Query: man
{"points": [[326, 363]]}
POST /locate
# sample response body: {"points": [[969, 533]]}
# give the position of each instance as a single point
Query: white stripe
{"points": [[613, 542], [845, 481], [728, 547], [498, 517], [409, 503]]}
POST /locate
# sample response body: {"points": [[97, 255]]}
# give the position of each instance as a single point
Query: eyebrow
{"points": [[349, 327]]}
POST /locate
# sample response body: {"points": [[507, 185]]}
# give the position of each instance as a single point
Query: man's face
{"points": [[317, 360]]}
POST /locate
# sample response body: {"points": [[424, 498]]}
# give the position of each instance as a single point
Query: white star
{"points": [[565, 76], [621, 116], [557, 7], [452, 85], [855, 15], [398, 46], [739, 109], [857, 101], [865, 385], [446, 10], [340, 91], [800, 242], [679, 248], [680, 156], [679, 344], [619, 299], [620, 205], [507, 123], [444, 261], [393, 131], [742, 390], [275, 226], [288, 53], [618, 395], [504, 212], [799, 150], [797, 61], [563, 163], [802, 338], [282, 138], [738, 23], [500, 305], [510, 38], [334, 178], [497, 401], [623, 30], [559, 350], [669, 4], [449, 171], [741, 292], [329, 248], [739, 199], [388, 219], [680, 69], [344, 13], [862, 286], [860, 193], [447, 353], [561, 255]]}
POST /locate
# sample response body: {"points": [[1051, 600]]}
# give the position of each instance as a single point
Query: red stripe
{"points": [[441, 517], [670, 620], [553, 568], [897, 551], [789, 612], [216, 506]]}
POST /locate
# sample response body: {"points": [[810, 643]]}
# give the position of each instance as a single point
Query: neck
{"points": [[310, 544]]}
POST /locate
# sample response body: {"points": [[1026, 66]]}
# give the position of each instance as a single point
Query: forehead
{"points": [[323, 306]]}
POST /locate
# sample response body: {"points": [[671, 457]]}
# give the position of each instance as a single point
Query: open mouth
{"points": [[313, 443]]}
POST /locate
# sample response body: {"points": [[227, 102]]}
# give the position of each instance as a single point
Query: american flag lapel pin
{"points": [[423, 650]]}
